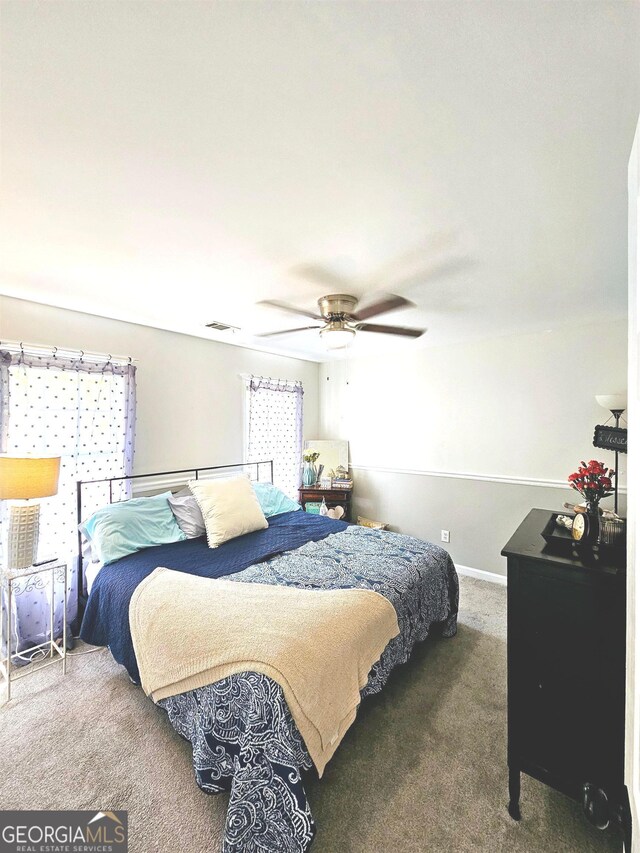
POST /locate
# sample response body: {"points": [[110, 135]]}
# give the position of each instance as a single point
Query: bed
{"points": [[242, 734]]}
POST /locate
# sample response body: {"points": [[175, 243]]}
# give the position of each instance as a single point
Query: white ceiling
{"points": [[172, 163]]}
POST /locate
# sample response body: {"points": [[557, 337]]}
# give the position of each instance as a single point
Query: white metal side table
{"points": [[17, 582]]}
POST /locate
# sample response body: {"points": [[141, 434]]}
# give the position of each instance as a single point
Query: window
{"points": [[274, 429], [82, 410]]}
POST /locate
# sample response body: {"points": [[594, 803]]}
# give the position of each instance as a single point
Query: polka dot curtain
{"points": [[275, 429], [83, 411]]}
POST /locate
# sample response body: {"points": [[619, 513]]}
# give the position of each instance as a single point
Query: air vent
{"points": [[222, 327]]}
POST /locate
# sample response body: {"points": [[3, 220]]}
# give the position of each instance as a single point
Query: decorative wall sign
{"points": [[610, 438]]}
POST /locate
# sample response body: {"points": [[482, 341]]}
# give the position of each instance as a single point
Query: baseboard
{"points": [[492, 577]]}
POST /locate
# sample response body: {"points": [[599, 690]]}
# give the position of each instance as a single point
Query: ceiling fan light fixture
{"points": [[337, 336], [342, 320]]}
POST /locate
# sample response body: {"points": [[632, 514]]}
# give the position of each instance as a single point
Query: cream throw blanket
{"points": [[318, 645]]}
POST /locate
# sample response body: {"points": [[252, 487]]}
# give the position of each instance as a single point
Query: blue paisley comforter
{"points": [[243, 736]]}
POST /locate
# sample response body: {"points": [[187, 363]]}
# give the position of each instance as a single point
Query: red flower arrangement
{"points": [[592, 481]]}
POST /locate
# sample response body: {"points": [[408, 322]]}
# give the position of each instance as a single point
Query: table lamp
{"points": [[22, 479]]}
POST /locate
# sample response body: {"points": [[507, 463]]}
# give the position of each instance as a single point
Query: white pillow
{"points": [[187, 512], [229, 507]]}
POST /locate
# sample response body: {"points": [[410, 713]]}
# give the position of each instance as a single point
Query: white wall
{"points": [[190, 396], [513, 414]]}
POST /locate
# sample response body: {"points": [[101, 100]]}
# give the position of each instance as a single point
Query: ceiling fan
{"points": [[341, 320]]}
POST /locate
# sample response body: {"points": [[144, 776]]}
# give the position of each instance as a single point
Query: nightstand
{"points": [[15, 583], [332, 497]]}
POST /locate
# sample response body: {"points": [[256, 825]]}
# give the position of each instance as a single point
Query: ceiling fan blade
{"points": [[316, 274], [387, 303], [391, 330], [435, 272], [291, 309], [420, 260], [285, 331]]}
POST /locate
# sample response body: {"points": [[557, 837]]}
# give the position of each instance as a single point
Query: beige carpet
{"points": [[422, 769]]}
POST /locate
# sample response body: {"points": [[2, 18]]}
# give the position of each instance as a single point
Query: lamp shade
{"points": [[28, 477], [613, 402]]}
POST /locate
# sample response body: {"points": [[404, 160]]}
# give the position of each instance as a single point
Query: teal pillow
{"points": [[272, 501], [123, 528]]}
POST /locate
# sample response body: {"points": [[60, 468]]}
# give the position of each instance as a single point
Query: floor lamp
{"points": [[22, 480], [616, 403]]}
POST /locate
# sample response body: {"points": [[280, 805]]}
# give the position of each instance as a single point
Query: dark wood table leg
{"points": [[514, 793]]}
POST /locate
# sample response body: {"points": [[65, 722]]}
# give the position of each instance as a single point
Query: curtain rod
{"points": [[249, 376], [65, 352]]}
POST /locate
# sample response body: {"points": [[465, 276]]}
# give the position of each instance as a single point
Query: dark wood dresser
{"points": [[566, 674], [332, 498]]}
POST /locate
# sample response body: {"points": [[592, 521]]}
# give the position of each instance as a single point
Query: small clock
{"points": [[580, 527], [585, 528]]}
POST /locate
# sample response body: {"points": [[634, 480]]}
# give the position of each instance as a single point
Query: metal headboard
{"points": [[195, 475]]}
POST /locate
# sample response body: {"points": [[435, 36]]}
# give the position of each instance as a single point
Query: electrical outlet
{"points": [[444, 536]]}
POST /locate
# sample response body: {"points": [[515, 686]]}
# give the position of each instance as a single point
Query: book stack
{"points": [[342, 483]]}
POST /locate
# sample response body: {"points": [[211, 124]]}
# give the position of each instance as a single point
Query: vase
{"points": [[309, 474], [592, 509]]}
